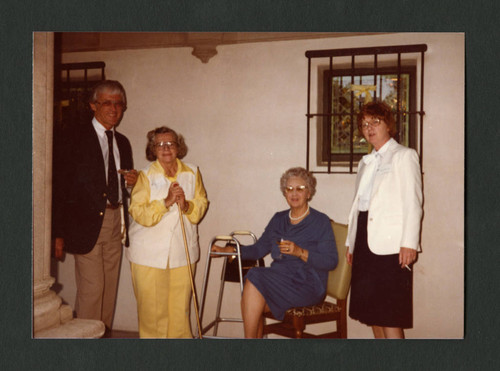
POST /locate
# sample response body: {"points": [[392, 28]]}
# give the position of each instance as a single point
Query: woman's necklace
{"points": [[300, 217]]}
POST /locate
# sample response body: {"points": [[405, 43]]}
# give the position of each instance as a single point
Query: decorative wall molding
{"points": [[204, 44]]}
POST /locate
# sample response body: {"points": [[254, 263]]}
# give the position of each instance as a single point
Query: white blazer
{"points": [[395, 210]]}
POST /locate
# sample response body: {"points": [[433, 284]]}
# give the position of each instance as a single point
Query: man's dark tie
{"points": [[112, 177]]}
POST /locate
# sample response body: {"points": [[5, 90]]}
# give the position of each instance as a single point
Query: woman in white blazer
{"points": [[384, 227], [158, 261]]}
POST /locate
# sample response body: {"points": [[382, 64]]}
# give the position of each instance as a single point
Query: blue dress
{"points": [[290, 282]]}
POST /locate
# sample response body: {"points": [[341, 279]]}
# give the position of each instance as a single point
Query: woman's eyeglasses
{"points": [[299, 189], [168, 145], [373, 123]]}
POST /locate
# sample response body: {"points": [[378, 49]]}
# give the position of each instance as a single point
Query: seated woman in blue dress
{"points": [[302, 245]]}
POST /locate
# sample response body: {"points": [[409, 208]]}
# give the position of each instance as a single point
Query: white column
{"points": [[50, 318]]}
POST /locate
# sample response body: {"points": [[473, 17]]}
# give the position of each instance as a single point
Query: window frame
{"points": [[326, 134], [332, 167]]}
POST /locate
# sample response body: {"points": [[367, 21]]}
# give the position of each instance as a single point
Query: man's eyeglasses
{"points": [[109, 103], [168, 145], [299, 189], [373, 123]]}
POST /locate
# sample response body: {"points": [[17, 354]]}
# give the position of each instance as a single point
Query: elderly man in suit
{"points": [[91, 190]]}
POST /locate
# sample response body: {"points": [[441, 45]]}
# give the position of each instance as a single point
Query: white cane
{"points": [[190, 271]]}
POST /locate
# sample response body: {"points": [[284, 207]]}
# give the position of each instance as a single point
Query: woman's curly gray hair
{"points": [[301, 173], [179, 139]]}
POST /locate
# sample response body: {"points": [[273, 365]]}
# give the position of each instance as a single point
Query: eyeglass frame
{"points": [[300, 189], [373, 123], [167, 144], [108, 103]]}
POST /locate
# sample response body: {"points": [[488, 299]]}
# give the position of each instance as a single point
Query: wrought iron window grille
{"points": [[407, 79], [72, 86]]}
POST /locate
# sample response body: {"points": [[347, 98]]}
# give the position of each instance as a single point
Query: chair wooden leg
{"points": [[342, 322], [299, 326]]}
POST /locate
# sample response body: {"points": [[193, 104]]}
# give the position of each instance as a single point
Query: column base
{"points": [[75, 329], [53, 319]]}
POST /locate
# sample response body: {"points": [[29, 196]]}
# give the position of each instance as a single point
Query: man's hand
{"points": [[59, 248], [130, 176]]}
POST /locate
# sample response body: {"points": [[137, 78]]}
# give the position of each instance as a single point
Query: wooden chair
{"points": [[296, 319]]}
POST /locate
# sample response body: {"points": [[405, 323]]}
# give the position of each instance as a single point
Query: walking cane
{"points": [[190, 271]]}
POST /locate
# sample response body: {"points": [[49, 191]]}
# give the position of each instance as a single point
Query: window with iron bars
{"points": [[72, 86], [342, 90]]}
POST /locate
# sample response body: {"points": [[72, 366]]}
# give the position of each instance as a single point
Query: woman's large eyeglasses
{"points": [[373, 123], [163, 145], [299, 189], [109, 103]]}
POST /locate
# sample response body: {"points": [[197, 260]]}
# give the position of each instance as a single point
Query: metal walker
{"points": [[227, 239]]}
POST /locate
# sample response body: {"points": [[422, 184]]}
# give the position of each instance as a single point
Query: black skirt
{"points": [[381, 291]]}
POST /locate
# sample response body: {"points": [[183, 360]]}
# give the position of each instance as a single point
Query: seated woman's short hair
{"points": [[301, 173]]}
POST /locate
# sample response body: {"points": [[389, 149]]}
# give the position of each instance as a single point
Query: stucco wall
{"points": [[243, 117]]}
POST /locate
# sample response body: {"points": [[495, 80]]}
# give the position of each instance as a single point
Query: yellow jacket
{"points": [[155, 230]]}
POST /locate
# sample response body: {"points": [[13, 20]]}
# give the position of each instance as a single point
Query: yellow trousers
{"points": [[163, 301]]}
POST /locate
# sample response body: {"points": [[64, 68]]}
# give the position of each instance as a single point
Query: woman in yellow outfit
{"points": [[157, 255]]}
